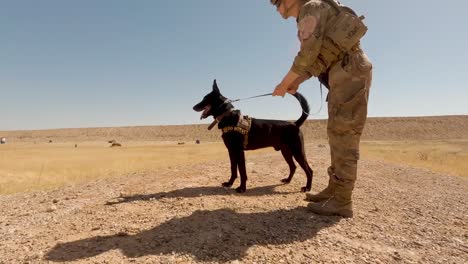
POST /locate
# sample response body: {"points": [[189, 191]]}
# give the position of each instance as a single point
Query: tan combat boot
{"points": [[326, 193], [339, 204]]}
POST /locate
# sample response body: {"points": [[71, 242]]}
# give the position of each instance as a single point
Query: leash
{"points": [[321, 101], [237, 100], [268, 94], [215, 121]]}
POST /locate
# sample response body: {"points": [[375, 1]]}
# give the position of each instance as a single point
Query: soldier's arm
{"points": [[309, 33], [290, 83], [305, 57]]}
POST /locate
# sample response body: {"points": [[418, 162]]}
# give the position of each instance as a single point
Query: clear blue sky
{"points": [[102, 63]]}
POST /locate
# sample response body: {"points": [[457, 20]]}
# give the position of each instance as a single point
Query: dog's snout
{"points": [[197, 107]]}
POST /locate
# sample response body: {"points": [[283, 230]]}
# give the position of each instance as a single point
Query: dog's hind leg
{"points": [[300, 156], [287, 154], [308, 171]]}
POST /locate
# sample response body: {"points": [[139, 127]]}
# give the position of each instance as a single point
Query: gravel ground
{"points": [[182, 215]]}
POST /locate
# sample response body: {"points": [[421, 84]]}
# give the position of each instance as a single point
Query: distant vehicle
{"points": [[2, 140]]}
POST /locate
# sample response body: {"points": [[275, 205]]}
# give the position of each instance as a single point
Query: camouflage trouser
{"points": [[350, 81]]}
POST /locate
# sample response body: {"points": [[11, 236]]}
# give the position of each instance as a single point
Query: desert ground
{"points": [[67, 196]]}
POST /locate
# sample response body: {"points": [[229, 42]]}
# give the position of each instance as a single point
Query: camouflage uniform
{"points": [[349, 80]]}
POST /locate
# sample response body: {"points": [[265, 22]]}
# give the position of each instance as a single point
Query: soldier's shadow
{"points": [[192, 192], [220, 235]]}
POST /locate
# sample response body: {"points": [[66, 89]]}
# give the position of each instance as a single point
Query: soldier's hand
{"points": [[292, 89], [289, 84], [280, 90]]}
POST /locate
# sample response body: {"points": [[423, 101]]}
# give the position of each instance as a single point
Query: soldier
{"points": [[330, 50]]}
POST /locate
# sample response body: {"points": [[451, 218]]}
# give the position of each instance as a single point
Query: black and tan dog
{"points": [[243, 133]]}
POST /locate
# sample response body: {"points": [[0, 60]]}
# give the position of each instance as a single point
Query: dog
{"points": [[242, 133]]}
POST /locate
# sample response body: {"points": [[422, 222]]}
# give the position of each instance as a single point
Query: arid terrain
{"points": [[177, 212]]}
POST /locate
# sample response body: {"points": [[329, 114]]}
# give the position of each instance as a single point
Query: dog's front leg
{"points": [[234, 160], [242, 171]]}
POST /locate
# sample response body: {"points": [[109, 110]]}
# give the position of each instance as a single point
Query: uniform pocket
{"points": [[357, 64], [350, 116]]}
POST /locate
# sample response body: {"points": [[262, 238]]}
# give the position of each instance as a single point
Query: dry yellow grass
{"points": [[25, 167], [443, 156]]}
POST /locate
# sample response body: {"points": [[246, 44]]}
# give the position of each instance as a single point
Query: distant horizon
{"points": [[207, 123]]}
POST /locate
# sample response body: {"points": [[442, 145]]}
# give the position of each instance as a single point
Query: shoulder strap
{"points": [[338, 7], [334, 4]]}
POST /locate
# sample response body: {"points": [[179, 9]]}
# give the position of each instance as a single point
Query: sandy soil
{"points": [[182, 215]]}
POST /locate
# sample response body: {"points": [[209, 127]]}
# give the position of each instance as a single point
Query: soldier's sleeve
{"points": [[310, 33]]}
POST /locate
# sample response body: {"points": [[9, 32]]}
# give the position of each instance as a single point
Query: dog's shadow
{"points": [[192, 192], [219, 236]]}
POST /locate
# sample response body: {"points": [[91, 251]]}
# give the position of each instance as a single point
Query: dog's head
{"points": [[213, 104]]}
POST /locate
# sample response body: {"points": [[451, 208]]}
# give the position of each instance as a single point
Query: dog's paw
{"points": [[305, 189], [240, 189], [286, 180], [227, 184]]}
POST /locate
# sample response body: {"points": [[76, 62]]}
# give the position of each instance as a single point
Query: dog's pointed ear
{"points": [[215, 87]]}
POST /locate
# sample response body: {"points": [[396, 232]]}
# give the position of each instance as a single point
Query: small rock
{"points": [[51, 209], [396, 255], [122, 234], [39, 255]]}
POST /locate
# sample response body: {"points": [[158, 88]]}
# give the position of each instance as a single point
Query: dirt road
{"points": [[182, 215]]}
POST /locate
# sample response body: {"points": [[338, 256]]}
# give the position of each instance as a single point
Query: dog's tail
{"points": [[305, 109]]}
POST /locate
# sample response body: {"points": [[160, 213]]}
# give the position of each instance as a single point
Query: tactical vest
{"points": [[341, 35], [242, 127]]}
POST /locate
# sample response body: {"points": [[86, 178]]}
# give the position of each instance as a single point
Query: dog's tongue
{"points": [[205, 112]]}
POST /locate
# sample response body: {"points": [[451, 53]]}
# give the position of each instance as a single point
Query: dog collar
{"points": [[218, 119], [212, 124]]}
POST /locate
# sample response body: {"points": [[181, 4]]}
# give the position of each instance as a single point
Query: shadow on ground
{"points": [[220, 235], [193, 192]]}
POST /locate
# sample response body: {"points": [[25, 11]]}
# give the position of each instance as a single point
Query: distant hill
{"points": [[388, 128]]}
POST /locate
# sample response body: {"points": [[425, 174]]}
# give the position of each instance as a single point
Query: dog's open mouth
{"points": [[206, 111]]}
